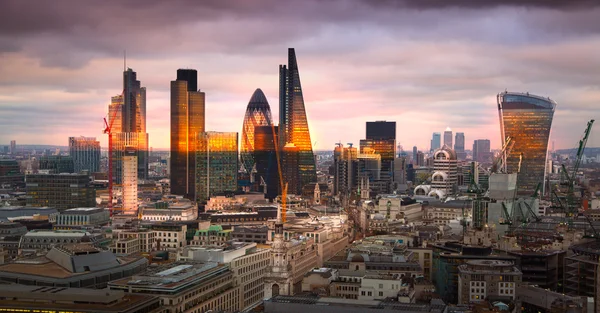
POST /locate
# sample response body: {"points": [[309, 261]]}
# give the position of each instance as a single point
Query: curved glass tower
{"points": [[258, 113], [527, 119]]}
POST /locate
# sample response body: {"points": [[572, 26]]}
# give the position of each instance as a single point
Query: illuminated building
{"points": [[130, 185], [216, 164], [293, 122], [448, 138], [381, 139], [526, 119], [127, 115], [290, 168], [187, 120], [86, 154], [265, 158], [60, 191], [258, 113], [459, 146], [436, 141]]}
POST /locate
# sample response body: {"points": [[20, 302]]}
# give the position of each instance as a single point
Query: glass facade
{"points": [[293, 122], [386, 149], [57, 164], [60, 191], [86, 154], [265, 158], [258, 113], [216, 164], [436, 141], [381, 130], [187, 120], [527, 119]]}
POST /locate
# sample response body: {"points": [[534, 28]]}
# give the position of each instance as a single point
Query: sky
{"points": [[426, 64]]}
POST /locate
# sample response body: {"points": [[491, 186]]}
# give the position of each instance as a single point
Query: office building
{"points": [[290, 164], [480, 280], [459, 146], [445, 170], [187, 121], [481, 151], [216, 164], [293, 121], [345, 169], [56, 164], [582, 270], [265, 160], [414, 155], [436, 142], [448, 138], [82, 218], [60, 191], [258, 113], [130, 181], [174, 210], [85, 152], [13, 147], [10, 173], [381, 130], [527, 119], [127, 118]]}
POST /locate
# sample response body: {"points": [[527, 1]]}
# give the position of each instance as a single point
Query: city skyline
{"points": [[56, 84]]}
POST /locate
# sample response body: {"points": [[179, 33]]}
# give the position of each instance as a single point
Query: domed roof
{"points": [[357, 258], [448, 153], [258, 100], [378, 217]]}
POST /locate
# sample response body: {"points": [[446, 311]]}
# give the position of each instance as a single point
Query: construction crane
{"points": [[108, 130], [509, 143], [508, 217], [572, 208], [283, 185]]}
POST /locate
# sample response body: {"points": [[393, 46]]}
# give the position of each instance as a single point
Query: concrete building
{"points": [[44, 240], [170, 236], [257, 234], [130, 241], [491, 280], [172, 210], [214, 235], [443, 213], [544, 268], [85, 152], [10, 236], [60, 191], [317, 304], [582, 271], [21, 298], [10, 173], [11, 213], [185, 287], [129, 183], [82, 218], [72, 265], [536, 299], [448, 138], [56, 164]]}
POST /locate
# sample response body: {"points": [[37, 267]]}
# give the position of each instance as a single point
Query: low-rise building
{"points": [[82, 218], [10, 236], [214, 235], [170, 236], [61, 191], [582, 270], [44, 240], [178, 209], [21, 298], [490, 280], [317, 304], [12, 213], [536, 299], [128, 241], [186, 287], [257, 234]]}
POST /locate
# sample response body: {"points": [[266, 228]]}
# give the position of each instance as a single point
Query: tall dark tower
{"points": [[187, 120], [265, 158], [293, 123]]}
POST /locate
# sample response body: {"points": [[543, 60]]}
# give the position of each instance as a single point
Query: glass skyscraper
{"points": [[381, 139], [187, 121], [459, 146], [293, 123], [216, 164], [86, 154], [258, 113], [265, 158], [436, 141], [527, 119]]}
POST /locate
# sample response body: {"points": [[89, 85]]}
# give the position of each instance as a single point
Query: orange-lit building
{"points": [[216, 164], [258, 113]]}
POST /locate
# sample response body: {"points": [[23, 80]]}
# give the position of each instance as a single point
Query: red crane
{"points": [[108, 130]]}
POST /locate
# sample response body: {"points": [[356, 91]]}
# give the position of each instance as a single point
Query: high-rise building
{"points": [[385, 148], [130, 181], [445, 171], [459, 146], [187, 121], [265, 158], [290, 164], [10, 173], [420, 159], [85, 152], [381, 130], [448, 138], [56, 164], [481, 150], [216, 164], [414, 155], [436, 141], [127, 117], [13, 147], [526, 119], [293, 122], [345, 167], [60, 191], [258, 113]]}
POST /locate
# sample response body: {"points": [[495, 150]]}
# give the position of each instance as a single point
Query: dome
{"points": [[422, 190], [258, 101], [357, 258], [258, 113], [437, 193], [439, 176], [378, 217], [444, 153]]}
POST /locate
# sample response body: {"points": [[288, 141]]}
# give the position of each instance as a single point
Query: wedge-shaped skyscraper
{"points": [[527, 119], [293, 123], [258, 113]]}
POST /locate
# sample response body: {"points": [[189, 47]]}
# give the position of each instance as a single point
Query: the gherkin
{"points": [[258, 113]]}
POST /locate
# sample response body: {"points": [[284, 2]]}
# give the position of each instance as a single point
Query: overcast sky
{"points": [[426, 64]]}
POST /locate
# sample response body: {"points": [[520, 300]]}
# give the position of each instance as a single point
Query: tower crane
{"points": [[572, 210], [108, 130], [283, 185]]}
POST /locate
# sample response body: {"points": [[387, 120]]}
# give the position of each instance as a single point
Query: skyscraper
{"points": [[258, 113], [86, 153], [381, 130], [265, 158], [345, 169], [293, 123], [13, 147], [127, 115], [130, 181], [481, 150], [290, 167], [448, 138], [527, 119], [187, 121], [216, 164], [436, 141], [381, 139], [414, 156], [459, 146]]}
